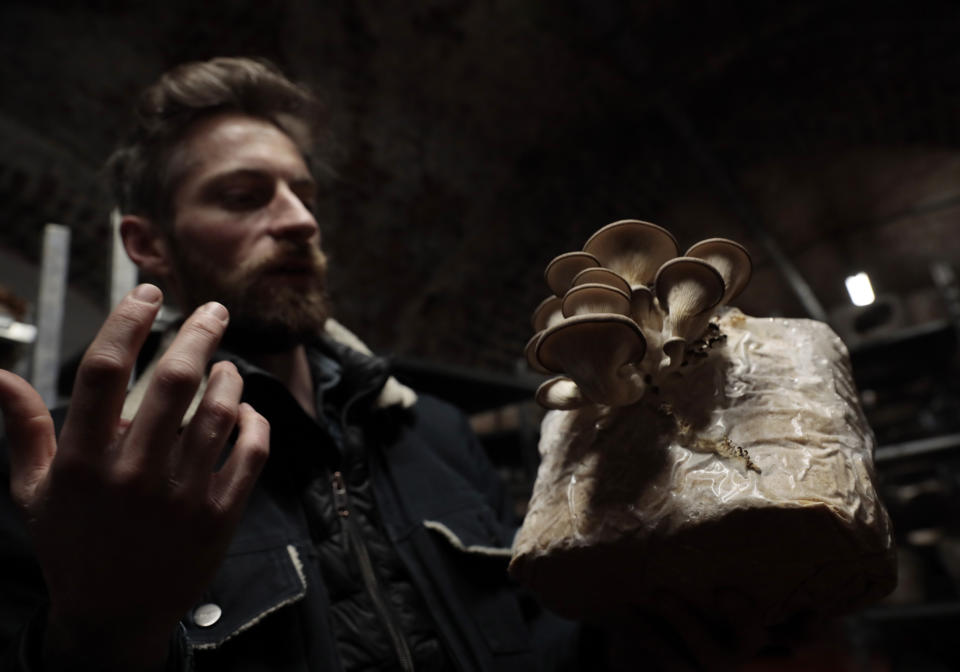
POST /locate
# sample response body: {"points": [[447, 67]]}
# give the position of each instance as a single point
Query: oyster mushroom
{"points": [[560, 393], [687, 289], [547, 313], [601, 276], [598, 352], [642, 308], [562, 269], [730, 258], [633, 249], [673, 349], [530, 353], [595, 298]]}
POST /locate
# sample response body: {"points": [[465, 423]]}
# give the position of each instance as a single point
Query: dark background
{"points": [[475, 140]]}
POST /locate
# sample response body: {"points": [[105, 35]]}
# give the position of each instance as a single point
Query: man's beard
{"points": [[275, 303]]}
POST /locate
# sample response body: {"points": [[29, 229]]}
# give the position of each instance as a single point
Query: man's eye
{"points": [[244, 199]]}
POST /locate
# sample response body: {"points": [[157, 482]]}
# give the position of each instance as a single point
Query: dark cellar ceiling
{"points": [[477, 140]]}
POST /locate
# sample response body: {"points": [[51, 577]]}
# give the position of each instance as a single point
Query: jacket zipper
{"points": [[359, 549]]}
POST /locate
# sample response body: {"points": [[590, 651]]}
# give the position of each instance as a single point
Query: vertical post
{"points": [[50, 304], [123, 272]]}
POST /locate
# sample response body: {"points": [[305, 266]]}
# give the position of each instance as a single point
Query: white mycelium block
{"points": [[746, 472]]}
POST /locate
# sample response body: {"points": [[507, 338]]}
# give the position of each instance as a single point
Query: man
{"points": [[373, 537]]}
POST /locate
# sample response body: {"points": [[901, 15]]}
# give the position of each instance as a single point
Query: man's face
{"points": [[243, 232]]}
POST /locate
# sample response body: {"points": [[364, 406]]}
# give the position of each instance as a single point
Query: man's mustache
{"points": [[301, 258]]}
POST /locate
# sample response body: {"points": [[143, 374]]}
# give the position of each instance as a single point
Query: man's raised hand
{"points": [[129, 523]]}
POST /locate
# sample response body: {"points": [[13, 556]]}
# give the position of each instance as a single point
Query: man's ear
{"points": [[146, 245]]}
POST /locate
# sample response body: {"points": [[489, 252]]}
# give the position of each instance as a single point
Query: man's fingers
{"points": [[205, 436], [104, 372], [31, 435], [232, 485], [175, 381]]}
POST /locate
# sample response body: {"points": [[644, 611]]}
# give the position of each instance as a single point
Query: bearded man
{"points": [[266, 497]]}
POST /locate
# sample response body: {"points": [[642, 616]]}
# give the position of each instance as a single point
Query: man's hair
{"points": [[142, 174]]}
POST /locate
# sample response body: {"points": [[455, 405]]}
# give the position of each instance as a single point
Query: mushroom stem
{"points": [[688, 327]]}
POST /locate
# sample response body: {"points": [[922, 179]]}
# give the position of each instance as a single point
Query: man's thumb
{"points": [[30, 435]]}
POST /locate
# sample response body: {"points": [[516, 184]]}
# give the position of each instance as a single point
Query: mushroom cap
{"points": [[642, 309], [595, 298], [601, 276], [561, 270], [633, 249], [560, 393], [530, 353], [546, 314], [688, 286], [730, 258], [597, 352], [673, 349]]}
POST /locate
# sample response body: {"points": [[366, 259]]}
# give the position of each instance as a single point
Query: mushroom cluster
{"points": [[626, 311]]}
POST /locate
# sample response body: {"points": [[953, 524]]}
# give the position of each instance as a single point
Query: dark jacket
{"points": [[440, 503]]}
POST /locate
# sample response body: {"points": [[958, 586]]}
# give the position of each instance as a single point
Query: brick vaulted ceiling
{"points": [[477, 139]]}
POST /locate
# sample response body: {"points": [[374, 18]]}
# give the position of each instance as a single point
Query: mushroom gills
{"points": [[547, 313], [560, 393], [687, 289], [594, 351], [731, 260]]}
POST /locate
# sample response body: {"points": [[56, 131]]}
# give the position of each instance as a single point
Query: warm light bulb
{"points": [[860, 289]]}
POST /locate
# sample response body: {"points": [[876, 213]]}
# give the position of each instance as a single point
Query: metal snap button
{"points": [[207, 614]]}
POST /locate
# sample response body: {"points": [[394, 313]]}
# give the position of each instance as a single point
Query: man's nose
{"points": [[291, 218]]}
